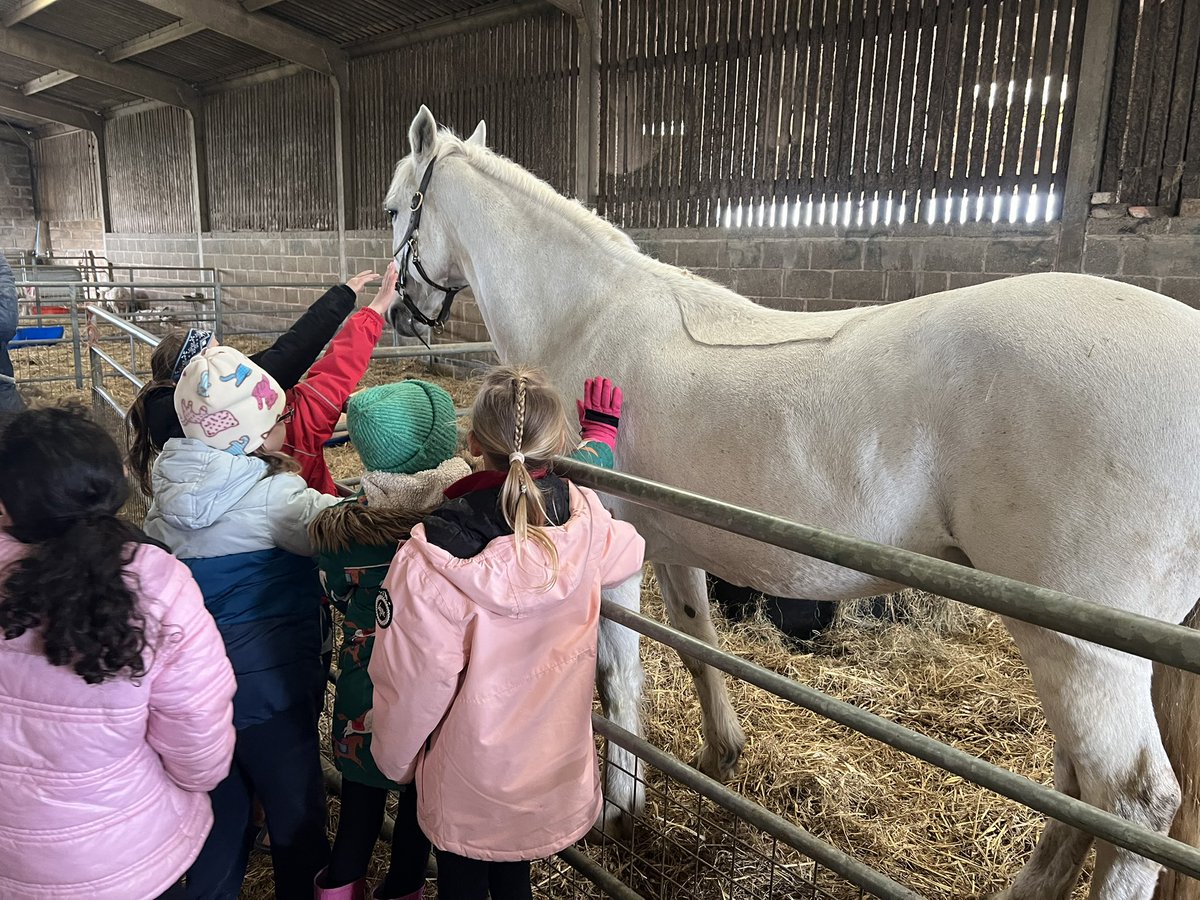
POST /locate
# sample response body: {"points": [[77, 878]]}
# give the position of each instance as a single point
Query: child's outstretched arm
{"points": [[319, 399], [291, 507], [599, 418], [296, 349], [415, 665]]}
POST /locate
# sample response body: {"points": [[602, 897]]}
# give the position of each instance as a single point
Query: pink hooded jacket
{"points": [[103, 786], [497, 674]]}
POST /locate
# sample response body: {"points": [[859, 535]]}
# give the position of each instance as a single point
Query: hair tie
{"points": [[517, 456], [194, 344]]}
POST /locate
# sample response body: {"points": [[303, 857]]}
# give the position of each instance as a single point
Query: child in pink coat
{"points": [[485, 649], [116, 696]]}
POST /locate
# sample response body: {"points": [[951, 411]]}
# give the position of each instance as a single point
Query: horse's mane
{"points": [[604, 235]]}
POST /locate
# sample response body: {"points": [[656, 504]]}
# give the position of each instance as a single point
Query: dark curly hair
{"points": [[63, 485]]}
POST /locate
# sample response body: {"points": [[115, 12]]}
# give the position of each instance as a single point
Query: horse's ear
{"points": [[422, 134], [479, 135]]}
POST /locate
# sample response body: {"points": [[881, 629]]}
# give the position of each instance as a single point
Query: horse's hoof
{"points": [[613, 824], [721, 766]]}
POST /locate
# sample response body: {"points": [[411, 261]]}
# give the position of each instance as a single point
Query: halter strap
{"points": [[411, 243]]}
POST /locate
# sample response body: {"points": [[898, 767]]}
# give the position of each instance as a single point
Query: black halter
{"points": [[407, 252]]}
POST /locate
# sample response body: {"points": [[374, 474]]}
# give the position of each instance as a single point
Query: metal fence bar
{"points": [[129, 376], [1132, 633], [597, 874], [1104, 825], [108, 398], [164, 285], [434, 350], [853, 870], [128, 327]]}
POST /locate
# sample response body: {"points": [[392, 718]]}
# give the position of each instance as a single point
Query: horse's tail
{"points": [[1177, 706]]}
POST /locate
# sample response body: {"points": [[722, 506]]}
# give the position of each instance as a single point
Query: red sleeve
{"points": [[319, 399]]}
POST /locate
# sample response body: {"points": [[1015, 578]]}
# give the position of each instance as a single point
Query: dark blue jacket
{"points": [[244, 535], [9, 400]]}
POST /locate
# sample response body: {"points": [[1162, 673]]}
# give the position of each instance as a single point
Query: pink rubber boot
{"points": [[356, 890]]}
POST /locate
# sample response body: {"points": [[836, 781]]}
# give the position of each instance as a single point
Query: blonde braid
{"points": [[519, 425], [517, 411]]}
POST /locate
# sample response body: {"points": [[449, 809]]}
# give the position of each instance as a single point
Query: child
{"points": [[152, 421], [485, 648], [228, 503], [406, 435], [116, 697]]}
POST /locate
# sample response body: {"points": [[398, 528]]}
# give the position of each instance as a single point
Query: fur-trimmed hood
{"points": [[386, 510]]}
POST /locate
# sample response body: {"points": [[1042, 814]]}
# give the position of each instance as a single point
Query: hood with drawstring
{"points": [[244, 535], [484, 673]]}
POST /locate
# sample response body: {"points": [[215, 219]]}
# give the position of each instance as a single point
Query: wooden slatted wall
{"points": [[1152, 147], [774, 112], [271, 156], [521, 78], [67, 183], [150, 172]]}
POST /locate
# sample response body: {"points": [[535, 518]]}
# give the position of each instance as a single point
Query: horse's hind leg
{"points": [[1053, 869], [619, 677], [1098, 704], [685, 594]]}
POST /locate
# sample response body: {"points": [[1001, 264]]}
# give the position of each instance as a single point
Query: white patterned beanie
{"points": [[228, 402]]}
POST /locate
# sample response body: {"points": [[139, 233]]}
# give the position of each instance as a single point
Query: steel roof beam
{"points": [[36, 46], [573, 8], [25, 10], [152, 40], [256, 5], [47, 81], [14, 101], [459, 23], [261, 32]]}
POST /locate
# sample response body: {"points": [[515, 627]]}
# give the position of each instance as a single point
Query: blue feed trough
{"points": [[43, 334]]}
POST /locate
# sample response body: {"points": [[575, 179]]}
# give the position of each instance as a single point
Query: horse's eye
{"points": [[391, 215]]}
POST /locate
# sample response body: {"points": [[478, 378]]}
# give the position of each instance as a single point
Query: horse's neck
{"points": [[531, 270]]}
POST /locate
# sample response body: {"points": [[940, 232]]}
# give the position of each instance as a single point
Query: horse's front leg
{"points": [[685, 593], [619, 677]]}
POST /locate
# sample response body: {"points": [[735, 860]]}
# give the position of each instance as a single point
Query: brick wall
{"points": [[75, 238], [834, 268], [18, 227], [819, 269], [1160, 254]]}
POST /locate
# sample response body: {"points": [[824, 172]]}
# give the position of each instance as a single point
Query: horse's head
{"points": [[430, 271]]}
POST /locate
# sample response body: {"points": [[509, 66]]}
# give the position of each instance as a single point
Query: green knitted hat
{"points": [[404, 427]]}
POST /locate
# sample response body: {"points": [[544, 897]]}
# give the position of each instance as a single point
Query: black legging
{"points": [[460, 878], [359, 822]]}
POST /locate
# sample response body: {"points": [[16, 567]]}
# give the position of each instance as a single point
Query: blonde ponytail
{"points": [[518, 415]]}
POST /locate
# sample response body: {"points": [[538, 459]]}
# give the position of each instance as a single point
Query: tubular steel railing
{"points": [[1132, 633]]}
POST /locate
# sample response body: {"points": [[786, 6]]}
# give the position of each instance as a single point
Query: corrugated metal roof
{"points": [[15, 71], [86, 93], [206, 56], [98, 25], [355, 20]]}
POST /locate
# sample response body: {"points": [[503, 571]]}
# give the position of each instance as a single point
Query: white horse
{"points": [[1045, 428]]}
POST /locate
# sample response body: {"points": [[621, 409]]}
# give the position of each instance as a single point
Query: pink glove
{"points": [[600, 411]]}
